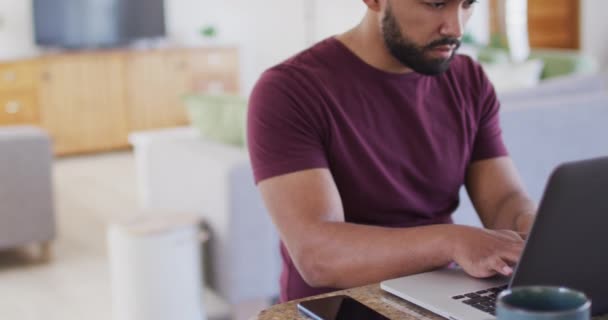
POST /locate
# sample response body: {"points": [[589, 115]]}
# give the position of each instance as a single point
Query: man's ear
{"points": [[374, 5]]}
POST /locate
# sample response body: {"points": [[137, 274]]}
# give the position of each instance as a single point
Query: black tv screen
{"points": [[96, 23]]}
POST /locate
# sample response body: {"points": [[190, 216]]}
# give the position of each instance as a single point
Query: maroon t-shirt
{"points": [[397, 145]]}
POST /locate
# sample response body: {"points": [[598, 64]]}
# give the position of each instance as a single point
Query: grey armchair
{"points": [[26, 201]]}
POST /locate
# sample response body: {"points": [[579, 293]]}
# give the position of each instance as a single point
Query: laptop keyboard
{"points": [[484, 300]]}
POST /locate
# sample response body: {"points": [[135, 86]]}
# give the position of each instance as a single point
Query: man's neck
{"points": [[365, 41]]}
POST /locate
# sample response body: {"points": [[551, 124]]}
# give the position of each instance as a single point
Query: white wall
{"points": [[479, 24], [268, 31], [16, 29], [336, 16]]}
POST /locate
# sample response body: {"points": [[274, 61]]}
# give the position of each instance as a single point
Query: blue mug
{"points": [[542, 303]]}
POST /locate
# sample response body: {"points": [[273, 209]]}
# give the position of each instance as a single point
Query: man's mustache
{"points": [[444, 42]]}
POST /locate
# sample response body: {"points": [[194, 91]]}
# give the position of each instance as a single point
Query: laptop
{"points": [[567, 246]]}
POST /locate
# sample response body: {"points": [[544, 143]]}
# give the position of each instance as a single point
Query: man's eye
{"points": [[469, 3], [436, 5]]}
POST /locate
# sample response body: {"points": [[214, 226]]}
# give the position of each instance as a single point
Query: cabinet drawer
{"points": [[20, 75], [214, 60], [215, 83], [18, 108], [208, 60]]}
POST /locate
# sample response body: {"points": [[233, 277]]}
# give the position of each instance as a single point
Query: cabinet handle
{"points": [[46, 76], [181, 65], [215, 87], [9, 76], [12, 107], [214, 59]]}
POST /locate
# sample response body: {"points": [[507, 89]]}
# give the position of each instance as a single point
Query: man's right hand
{"points": [[484, 253]]}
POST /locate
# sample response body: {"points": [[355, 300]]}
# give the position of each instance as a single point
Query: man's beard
{"points": [[409, 54]]}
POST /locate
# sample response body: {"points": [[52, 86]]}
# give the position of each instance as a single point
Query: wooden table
{"points": [[372, 296]]}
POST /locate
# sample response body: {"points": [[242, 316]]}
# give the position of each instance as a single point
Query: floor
{"points": [[90, 193]]}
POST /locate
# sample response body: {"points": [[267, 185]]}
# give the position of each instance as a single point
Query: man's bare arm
{"points": [[498, 195], [328, 252]]}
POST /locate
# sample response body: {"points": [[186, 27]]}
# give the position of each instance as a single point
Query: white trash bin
{"points": [[155, 268]]}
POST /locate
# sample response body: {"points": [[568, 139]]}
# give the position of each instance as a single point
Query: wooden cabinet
{"points": [[18, 95], [214, 69], [18, 108], [554, 23], [82, 102], [551, 23], [158, 80], [155, 82], [91, 101]]}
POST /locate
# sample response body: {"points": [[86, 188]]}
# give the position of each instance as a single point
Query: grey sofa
{"points": [[559, 121], [26, 204], [178, 170]]}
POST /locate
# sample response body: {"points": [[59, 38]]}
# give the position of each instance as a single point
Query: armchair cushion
{"points": [[511, 76], [557, 62], [178, 170], [219, 118], [560, 62]]}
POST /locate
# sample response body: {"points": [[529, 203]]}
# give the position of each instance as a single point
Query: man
{"points": [[360, 144]]}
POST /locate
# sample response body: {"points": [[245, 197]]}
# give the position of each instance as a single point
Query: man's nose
{"points": [[453, 25]]}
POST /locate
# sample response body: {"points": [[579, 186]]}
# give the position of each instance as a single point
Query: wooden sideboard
{"points": [[18, 93], [91, 101], [554, 23], [551, 23]]}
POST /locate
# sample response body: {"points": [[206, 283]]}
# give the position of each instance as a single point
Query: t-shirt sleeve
{"points": [[284, 129], [488, 140]]}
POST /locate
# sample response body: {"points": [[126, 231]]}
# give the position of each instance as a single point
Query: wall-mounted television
{"points": [[80, 24]]}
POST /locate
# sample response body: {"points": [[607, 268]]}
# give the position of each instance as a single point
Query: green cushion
{"points": [[219, 118], [493, 55], [559, 62]]}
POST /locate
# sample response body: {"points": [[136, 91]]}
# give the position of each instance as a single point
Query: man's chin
{"points": [[434, 67]]}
